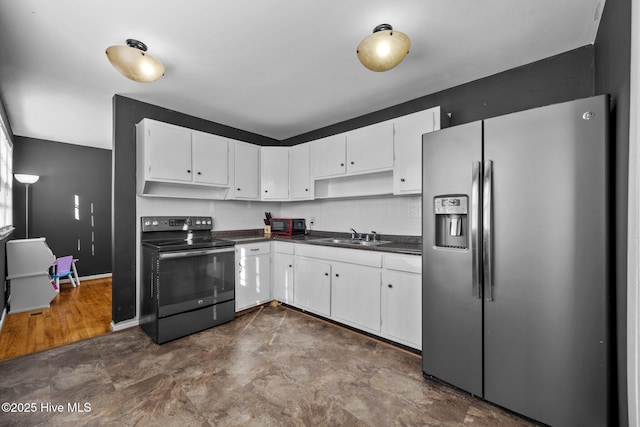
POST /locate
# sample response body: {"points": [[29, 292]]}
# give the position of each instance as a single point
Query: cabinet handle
{"points": [[254, 249], [266, 191], [401, 179], [199, 173], [341, 164], [306, 189], [290, 265], [326, 274], [337, 275], [237, 189], [188, 170], [353, 163], [390, 285]]}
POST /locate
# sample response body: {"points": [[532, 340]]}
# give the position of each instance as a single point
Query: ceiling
{"points": [[278, 68]]}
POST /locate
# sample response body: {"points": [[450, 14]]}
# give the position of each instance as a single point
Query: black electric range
{"points": [[187, 277]]}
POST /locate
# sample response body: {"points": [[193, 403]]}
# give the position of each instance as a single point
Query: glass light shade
{"points": [[135, 64], [26, 178], [384, 49]]}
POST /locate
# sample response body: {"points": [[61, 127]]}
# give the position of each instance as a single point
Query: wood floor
{"points": [[75, 314]]}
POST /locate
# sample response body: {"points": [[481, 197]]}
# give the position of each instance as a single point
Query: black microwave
{"points": [[287, 226]]}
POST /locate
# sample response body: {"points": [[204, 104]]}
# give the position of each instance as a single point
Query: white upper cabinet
{"points": [[246, 168], [328, 156], [210, 159], [300, 182], [178, 162], [274, 173], [407, 174], [364, 150], [370, 148], [381, 159], [167, 151]]}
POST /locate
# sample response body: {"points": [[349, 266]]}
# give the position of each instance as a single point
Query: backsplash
{"points": [[227, 214], [390, 215]]}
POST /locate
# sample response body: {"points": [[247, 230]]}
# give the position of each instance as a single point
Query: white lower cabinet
{"points": [[253, 274], [401, 299], [283, 269], [355, 296], [379, 293], [312, 285]]}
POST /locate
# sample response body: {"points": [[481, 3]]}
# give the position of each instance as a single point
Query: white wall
{"points": [[385, 215], [227, 215]]}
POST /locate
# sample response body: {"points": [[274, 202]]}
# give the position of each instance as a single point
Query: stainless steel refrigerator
{"points": [[516, 260]]}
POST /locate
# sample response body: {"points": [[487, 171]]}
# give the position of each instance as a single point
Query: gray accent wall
{"points": [[66, 171], [612, 75], [556, 79]]}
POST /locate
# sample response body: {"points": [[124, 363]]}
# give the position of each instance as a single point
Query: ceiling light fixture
{"points": [[384, 49], [134, 63]]}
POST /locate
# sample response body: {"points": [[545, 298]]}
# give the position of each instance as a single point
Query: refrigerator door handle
{"points": [[487, 249], [475, 235]]}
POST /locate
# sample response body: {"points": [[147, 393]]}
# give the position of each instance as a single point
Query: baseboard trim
{"points": [[120, 326], [93, 277]]}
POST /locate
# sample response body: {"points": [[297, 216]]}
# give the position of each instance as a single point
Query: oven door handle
{"points": [[188, 254]]}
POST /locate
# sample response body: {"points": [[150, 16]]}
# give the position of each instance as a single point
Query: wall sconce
{"points": [[134, 63], [384, 49], [27, 180]]}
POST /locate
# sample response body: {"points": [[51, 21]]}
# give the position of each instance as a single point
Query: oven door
{"points": [[191, 279]]}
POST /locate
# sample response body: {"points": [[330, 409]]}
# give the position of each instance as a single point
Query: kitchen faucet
{"points": [[355, 234]]}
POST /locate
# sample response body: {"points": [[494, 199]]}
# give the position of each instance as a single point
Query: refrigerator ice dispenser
{"points": [[451, 227]]}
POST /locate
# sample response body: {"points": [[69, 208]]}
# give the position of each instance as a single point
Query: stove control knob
{"points": [[198, 222], [154, 223], [209, 222], [147, 223]]}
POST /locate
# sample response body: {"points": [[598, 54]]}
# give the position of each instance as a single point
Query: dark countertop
{"points": [[397, 244]]}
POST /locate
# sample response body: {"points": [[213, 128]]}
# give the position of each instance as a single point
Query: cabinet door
{"points": [[246, 168], [408, 130], [370, 148], [312, 286], [328, 156], [168, 151], [253, 281], [274, 173], [401, 307], [355, 295], [283, 278], [210, 159], [300, 172]]}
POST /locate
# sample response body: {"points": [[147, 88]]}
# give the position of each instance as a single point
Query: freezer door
{"points": [[546, 325], [452, 305]]}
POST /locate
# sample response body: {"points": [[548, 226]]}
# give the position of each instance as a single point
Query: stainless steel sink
{"points": [[354, 242]]}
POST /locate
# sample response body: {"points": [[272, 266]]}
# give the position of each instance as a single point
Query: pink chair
{"points": [[65, 267]]}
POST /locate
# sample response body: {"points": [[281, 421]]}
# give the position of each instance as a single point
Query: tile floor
{"points": [[270, 367]]}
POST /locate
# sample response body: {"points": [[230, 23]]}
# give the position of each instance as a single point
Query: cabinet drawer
{"points": [[351, 256], [408, 263], [251, 249], [283, 248]]}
